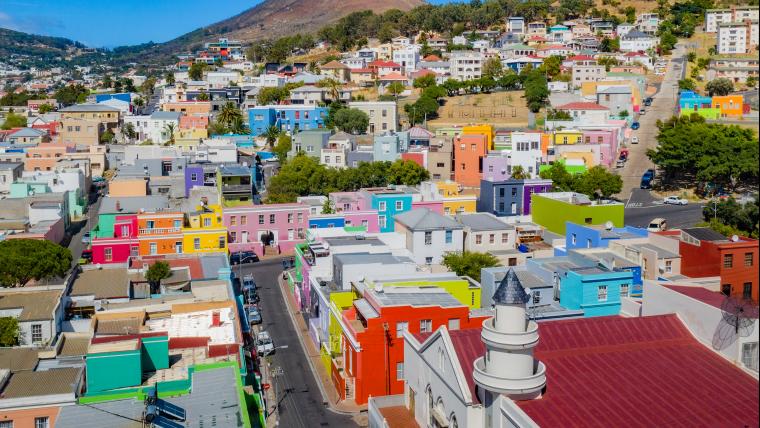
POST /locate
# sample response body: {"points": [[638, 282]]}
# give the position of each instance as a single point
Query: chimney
{"points": [[216, 319]]}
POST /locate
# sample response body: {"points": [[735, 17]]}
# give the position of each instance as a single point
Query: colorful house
{"points": [[554, 210], [355, 220], [510, 197], [290, 118], [731, 106], [278, 227], [481, 129], [469, 150], [568, 136], [204, 231], [389, 201]]}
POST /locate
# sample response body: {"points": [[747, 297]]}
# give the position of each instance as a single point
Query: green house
{"points": [[554, 210], [121, 363]]}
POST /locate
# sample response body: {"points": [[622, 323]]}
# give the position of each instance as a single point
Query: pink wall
{"points": [[288, 223], [435, 206], [120, 250], [353, 200], [357, 217], [125, 220]]}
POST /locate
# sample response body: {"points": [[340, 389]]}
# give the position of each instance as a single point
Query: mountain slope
{"points": [[16, 42]]}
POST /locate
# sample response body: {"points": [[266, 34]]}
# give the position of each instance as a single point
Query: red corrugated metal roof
{"points": [[582, 106], [712, 298], [614, 371]]}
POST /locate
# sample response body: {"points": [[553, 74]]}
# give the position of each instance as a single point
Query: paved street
{"points": [[662, 108], [75, 245], [301, 403], [641, 208]]}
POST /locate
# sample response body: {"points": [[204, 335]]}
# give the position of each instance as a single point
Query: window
{"points": [[624, 290], [399, 371], [41, 422], [454, 324], [601, 293], [222, 242], [6, 424], [197, 243], [271, 218], [668, 266], [725, 289], [504, 238], [428, 260], [381, 221], [728, 260], [381, 206], [243, 220], [401, 327], [747, 290], [749, 259], [491, 238], [399, 205], [449, 236], [233, 220], [428, 238], [478, 239], [513, 208], [261, 218], [108, 254], [153, 248], [749, 356], [36, 333], [299, 217], [206, 222], [150, 224], [426, 326], [588, 243], [573, 239], [290, 218]]}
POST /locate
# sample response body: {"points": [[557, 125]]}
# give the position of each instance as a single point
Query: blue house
{"points": [[127, 97], [510, 197], [389, 147], [291, 118], [595, 236], [692, 100], [388, 201], [326, 221]]}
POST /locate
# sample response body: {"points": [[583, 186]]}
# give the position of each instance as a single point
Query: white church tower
{"points": [[508, 367]]}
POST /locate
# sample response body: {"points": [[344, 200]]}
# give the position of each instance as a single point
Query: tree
{"points": [[13, 120], [687, 85], [667, 41], [452, 86], [71, 94], [351, 120], [561, 179], [608, 62], [609, 44], [229, 113], [238, 127], [623, 114], [598, 181], [327, 207], [492, 68], [468, 263], [169, 77], [742, 219], [283, 147], [45, 108], [751, 81], [333, 87], [406, 172], [128, 131], [551, 66], [268, 96], [107, 82], [395, 89], [9, 331], [691, 56], [425, 81], [423, 108], [23, 260], [156, 272], [170, 128], [148, 86], [217, 128], [519, 173], [196, 71], [106, 137], [536, 90], [139, 102], [509, 80], [720, 86]]}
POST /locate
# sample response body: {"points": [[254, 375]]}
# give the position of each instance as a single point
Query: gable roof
{"points": [[34, 305], [334, 65], [581, 106], [28, 132], [424, 219], [89, 107]]}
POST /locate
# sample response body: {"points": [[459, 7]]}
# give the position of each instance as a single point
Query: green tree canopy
{"points": [[720, 86], [424, 81], [13, 120], [195, 72], [9, 331], [519, 173], [156, 272], [23, 260], [536, 89], [469, 263], [744, 219], [283, 146], [351, 120], [492, 68]]}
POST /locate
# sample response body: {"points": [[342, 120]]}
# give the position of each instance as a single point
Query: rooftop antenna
{"points": [[740, 314], [608, 225]]}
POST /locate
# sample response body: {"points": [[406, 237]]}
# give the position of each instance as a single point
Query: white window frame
{"points": [[37, 333], [426, 326], [42, 422], [400, 371], [381, 206], [401, 326], [453, 324], [601, 293], [625, 290]]}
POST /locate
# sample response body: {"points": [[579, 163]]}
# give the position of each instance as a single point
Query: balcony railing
{"points": [[159, 230], [236, 188]]}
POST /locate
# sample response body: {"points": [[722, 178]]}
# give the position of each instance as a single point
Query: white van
{"points": [[657, 225]]}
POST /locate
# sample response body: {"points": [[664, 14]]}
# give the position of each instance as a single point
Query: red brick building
{"points": [[372, 363], [705, 252]]}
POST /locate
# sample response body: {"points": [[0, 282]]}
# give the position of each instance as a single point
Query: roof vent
{"points": [[379, 288]]}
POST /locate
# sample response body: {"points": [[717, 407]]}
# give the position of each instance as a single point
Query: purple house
{"points": [[495, 168], [266, 229], [198, 175], [510, 197]]}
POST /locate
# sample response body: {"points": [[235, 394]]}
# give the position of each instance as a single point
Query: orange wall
{"points": [[468, 153], [136, 187], [730, 105], [25, 418], [159, 221], [164, 245], [43, 158]]}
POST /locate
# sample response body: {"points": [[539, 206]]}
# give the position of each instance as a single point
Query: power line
{"points": [[113, 413]]}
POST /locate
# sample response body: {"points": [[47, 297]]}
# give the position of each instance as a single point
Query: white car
{"points": [[634, 140], [675, 200], [264, 344]]}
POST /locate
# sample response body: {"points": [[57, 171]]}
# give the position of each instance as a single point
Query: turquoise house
{"points": [[388, 202], [76, 202]]}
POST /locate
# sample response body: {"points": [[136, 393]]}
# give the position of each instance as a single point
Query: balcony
{"points": [[159, 231], [509, 341], [236, 188], [525, 386]]}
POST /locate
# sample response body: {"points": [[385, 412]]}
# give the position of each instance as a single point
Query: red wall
{"points": [[120, 250], [707, 260]]}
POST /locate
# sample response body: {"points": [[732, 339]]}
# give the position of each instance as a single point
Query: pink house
{"points": [[435, 206], [607, 141], [258, 227], [348, 201], [119, 248]]}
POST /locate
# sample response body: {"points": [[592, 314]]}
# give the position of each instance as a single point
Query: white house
{"points": [[737, 37], [155, 127], [581, 112], [38, 309], [623, 29], [222, 78], [714, 17], [648, 23], [429, 235], [484, 232], [636, 41], [122, 105], [407, 57], [466, 65]]}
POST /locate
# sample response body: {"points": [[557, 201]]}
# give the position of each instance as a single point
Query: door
{"points": [[244, 237]]}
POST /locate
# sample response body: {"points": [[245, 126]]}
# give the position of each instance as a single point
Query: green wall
{"points": [[553, 214], [111, 370], [707, 113], [105, 226], [155, 353]]}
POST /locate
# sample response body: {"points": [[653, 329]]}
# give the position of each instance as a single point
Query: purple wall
{"points": [[531, 188], [189, 182], [497, 164]]}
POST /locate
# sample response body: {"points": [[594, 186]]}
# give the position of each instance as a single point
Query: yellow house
{"points": [[486, 130], [568, 136], [454, 201], [205, 231]]}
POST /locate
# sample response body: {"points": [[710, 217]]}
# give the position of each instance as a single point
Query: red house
{"points": [[373, 336], [705, 252]]}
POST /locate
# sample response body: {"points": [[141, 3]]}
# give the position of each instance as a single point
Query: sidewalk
{"points": [[315, 361]]}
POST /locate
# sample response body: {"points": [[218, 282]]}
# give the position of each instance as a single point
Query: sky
{"points": [[111, 23]]}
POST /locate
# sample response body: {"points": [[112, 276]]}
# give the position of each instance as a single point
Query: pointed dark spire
{"points": [[510, 291]]}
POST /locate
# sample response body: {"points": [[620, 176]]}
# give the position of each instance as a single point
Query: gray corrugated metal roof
{"points": [[365, 309], [361, 258], [661, 252], [425, 219], [211, 264], [89, 107], [483, 221], [704, 234], [133, 204], [165, 115], [28, 132], [404, 296], [50, 382]]}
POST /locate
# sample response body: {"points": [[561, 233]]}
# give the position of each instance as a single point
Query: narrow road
{"points": [[91, 220], [300, 400], [663, 108]]}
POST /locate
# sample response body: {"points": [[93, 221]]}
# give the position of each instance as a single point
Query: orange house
{"points": [[729, 105], [43, 157], [189, 108], [160, 233], [469, 151]]}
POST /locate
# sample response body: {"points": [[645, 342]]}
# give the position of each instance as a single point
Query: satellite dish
{"points": [[608, 225], [735, 238], [740, 314]]}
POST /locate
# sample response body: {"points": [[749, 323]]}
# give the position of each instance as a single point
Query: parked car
{"points": [[642, 112], [648, 101], [675, 200], [657, 225], [634, 140], [647, 178], [635, 126], [254, 315], [620, 163], [243, 257], [86, 238], [624, 154], [86, 257], [264, 344], [249, 291]]}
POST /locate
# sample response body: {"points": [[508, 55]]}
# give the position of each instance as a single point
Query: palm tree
{"points": [[170, 128], [238, 127], [271, 134], [203, 96], [229, 113], [333, 87], [217, 128], [519, 173], [139, 103]]}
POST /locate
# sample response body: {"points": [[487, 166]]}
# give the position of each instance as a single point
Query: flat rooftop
{"points": [[413, 296], [197, 324]]}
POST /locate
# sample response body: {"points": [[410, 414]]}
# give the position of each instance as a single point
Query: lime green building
{"points": [[554, 210]]}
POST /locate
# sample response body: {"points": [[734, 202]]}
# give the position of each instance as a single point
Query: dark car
{"points": [[635, 126], [254, 315], [647, 178], [648, 101], [249, 290], [243, 257]]}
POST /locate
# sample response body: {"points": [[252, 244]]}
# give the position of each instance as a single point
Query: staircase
{"points": [[271, 250]]}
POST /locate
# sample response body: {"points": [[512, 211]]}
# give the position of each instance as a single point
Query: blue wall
{"points": [[390, 210], [105, 97], [589, 237], [580, 291], [287, 119], [325, 222]]}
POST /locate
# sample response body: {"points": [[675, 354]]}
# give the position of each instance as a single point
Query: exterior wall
{"points": [[707, 260], [490, 240], [554, 214], [581, 292], [43, 158], [113, 370], [26, 417], [246, 224], [432, 253], [189, 108], [119, 250], [469, 151], [386, 206], [286, 118], [383, 115], [729, 105], [81, 132]]}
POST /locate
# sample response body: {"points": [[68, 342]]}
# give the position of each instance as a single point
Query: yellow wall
{"points": [[453, 205], [486, 130], [193, 133], [573, 137], [209, 233]]}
